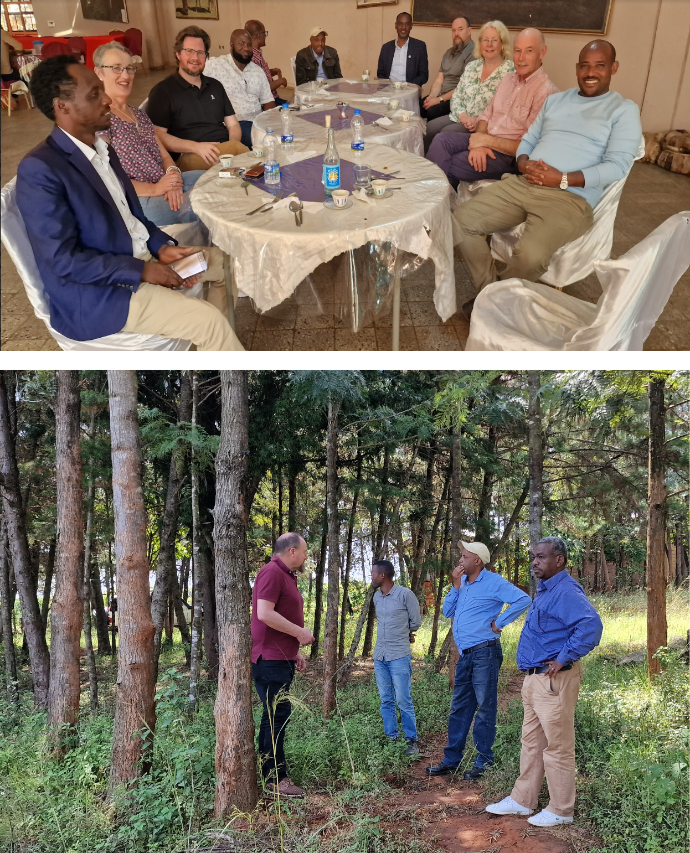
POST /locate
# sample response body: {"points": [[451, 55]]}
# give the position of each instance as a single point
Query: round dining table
{"points": [[360, 94], [270, 253], [308, 125]]}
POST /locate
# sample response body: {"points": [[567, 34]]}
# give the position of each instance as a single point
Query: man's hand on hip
{"points": [[305, 637], [553, 667], [494, 628]]}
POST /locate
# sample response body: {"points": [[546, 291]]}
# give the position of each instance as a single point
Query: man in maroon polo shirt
{"points": [[277, 633]]}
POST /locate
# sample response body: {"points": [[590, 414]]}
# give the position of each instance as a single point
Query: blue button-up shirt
{"points": [[475, 605], [320, 74], [561, 624]]}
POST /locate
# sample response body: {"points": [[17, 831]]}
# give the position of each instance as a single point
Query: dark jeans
{"points": [[438, 110], [280, 101], [247, 133], [450, 152], [476, 690], [273, 677]]}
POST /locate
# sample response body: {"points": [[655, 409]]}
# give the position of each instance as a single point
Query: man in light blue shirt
{"points": [[581, 142], [474, 602]]}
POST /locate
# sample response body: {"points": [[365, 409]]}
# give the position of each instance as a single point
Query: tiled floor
{"points": [[304, 322]]}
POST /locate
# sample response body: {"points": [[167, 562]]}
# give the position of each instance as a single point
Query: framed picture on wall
{"points": [[105, 10], [185, 10], [361, 4]]}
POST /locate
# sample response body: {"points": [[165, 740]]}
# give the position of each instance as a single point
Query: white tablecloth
{"points": [[407, 135], [407, 96], [271, 255]]}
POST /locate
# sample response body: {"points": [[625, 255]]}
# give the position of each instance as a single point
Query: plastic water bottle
{"points": [[331, 163], [357, 124], [287, 137], [271, 165]]}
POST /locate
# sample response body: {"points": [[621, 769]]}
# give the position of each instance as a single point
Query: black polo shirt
{"points": [[190, 112]]}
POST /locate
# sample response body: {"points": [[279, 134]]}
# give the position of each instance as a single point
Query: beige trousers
{"points": [[553, 218], [156, 310], [548, 740], [190, 162]]}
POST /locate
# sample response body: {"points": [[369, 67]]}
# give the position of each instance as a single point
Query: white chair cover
{"points": [[293, 64], [524, 315], [17, 87], [17, 243], [575, 260]]}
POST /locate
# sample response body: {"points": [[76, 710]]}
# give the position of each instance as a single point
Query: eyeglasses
{"points": [[193, 52], [491, 41], [118, 69]]}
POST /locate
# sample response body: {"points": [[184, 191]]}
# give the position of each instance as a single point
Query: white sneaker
{"points": [[547, 818], [508, 806]]}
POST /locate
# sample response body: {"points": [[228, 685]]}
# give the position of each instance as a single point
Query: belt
{"points": [[536, 669], [480, 646]]}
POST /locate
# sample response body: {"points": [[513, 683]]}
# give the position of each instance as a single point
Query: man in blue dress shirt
{"points": [[560, 629], [475, 602]]}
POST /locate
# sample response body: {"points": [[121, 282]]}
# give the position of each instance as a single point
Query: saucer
{"points": [[330, 204], [387, 194]]}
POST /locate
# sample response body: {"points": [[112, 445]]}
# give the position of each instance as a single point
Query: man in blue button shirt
{"points": [[475, 602], [560, 629]]}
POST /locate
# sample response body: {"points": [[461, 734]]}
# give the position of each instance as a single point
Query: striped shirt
{"points": [[259, 60]]}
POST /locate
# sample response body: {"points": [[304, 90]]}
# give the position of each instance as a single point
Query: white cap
{"points": [[316, 31], [479, 549]]}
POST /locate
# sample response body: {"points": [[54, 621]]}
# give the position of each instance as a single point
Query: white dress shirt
{"points": [[100, 160], [399, 66], [247, 89]]}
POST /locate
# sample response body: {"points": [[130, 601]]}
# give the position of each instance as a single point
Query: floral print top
{"points": [[137, 149], [471, 95]]}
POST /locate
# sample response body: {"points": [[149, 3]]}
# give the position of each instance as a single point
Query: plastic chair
{"points": [[293, 64], [17, 243], [525, 315], [16, 87], [25, 71], [78, 46], [134, 41], [54, 48], [575, 260]]}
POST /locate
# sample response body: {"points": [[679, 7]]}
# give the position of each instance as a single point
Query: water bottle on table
{"points": [[287, 137], [331, 163], [271, 165], [357, 125]]}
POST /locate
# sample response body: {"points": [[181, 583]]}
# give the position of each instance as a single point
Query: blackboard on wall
{"points": [[573, 16]]}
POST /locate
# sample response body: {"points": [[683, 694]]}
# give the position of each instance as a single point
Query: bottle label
{"points": [[357, 145], [332, 177], [271, 172], [287, 138]]}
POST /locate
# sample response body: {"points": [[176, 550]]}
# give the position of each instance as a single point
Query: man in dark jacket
{"points": [[405, 59], [317, 62]]}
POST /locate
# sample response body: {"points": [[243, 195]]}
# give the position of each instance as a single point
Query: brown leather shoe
{"points": [[285, 788]]}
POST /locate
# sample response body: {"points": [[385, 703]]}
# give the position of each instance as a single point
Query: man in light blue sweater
{"points": [[582, 140]]}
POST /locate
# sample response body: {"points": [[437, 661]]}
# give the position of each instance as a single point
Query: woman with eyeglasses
{"points": [[157, 180], [478, 84]]}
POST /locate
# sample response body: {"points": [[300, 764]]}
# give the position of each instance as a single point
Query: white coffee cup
{"points": [[340, 197], [405, 116], [258, 151], [397, 84], [393, 105], [226, 161], [379, 186], [365, 77]]}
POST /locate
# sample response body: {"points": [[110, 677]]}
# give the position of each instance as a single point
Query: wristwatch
{"points": [[564, 181]]}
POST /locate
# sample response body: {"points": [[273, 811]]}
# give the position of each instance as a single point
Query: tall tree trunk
{"points": [[330, 637], [679, 554], [348, 558], [536, 471], [210, 630], [588, 567], [455, 548], [320, 569], [656, 526], [85, 579], [512, 521], [292, 503], [236, 784], [366, 607], [198, 570], [516, 567], [136, 686], [438, 598], [7, 627], [65, 622], [281, 528], [19, 548], [165, 567], [182, 625], [99, 608], [483, 527], [48, 583]]}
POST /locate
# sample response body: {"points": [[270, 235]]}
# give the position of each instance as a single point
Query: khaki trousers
{"points": [[548, 740], [156, 310], [190, 162], [553, 218]]}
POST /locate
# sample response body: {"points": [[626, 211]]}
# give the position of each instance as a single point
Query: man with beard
{"points": [[191, 112], [277, 633], [453, 63], [244, 82]]}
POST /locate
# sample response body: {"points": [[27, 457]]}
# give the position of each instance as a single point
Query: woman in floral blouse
{"points": [[158, 182], [478, 84]]}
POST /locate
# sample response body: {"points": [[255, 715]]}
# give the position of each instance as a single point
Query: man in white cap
{"points": [[475, 601], [318, 61]]}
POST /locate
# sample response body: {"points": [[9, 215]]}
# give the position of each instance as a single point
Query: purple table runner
{"points": [[358, 88], [337, 123], [304, 178]]}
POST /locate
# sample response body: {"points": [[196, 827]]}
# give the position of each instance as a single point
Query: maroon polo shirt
{"points": [[276, 583]]}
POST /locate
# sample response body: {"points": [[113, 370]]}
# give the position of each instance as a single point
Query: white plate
{"points": [[330, 204]]}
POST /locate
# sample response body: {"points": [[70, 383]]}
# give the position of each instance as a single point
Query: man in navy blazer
{"points": [[94, 247], [404, 59]]}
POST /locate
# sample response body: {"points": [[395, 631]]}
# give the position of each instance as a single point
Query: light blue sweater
{"points": [[597, 136]]}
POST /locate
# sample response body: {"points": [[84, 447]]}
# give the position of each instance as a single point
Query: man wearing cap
{"points": [[317, 62], [560, 629], [475, 602]]}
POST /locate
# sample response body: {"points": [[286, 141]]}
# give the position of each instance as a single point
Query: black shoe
{"points": [[441, 769], [474, 774], [412, 747]]}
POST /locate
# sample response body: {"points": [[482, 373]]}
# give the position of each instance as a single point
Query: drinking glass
{"points": [[362, 175]]}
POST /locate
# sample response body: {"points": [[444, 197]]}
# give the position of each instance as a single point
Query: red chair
{"points": [[116, 33], [133, 41], [54, 48], [77, 45]]}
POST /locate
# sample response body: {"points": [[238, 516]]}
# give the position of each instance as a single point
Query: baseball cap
{"points": [[316, 31], [479, 549]]}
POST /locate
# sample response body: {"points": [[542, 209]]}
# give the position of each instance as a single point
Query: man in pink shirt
{"points": [[489, 152]]}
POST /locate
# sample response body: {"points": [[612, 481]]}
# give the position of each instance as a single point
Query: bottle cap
{"points": [[286, 106], [358, 112], [328, 121]]}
